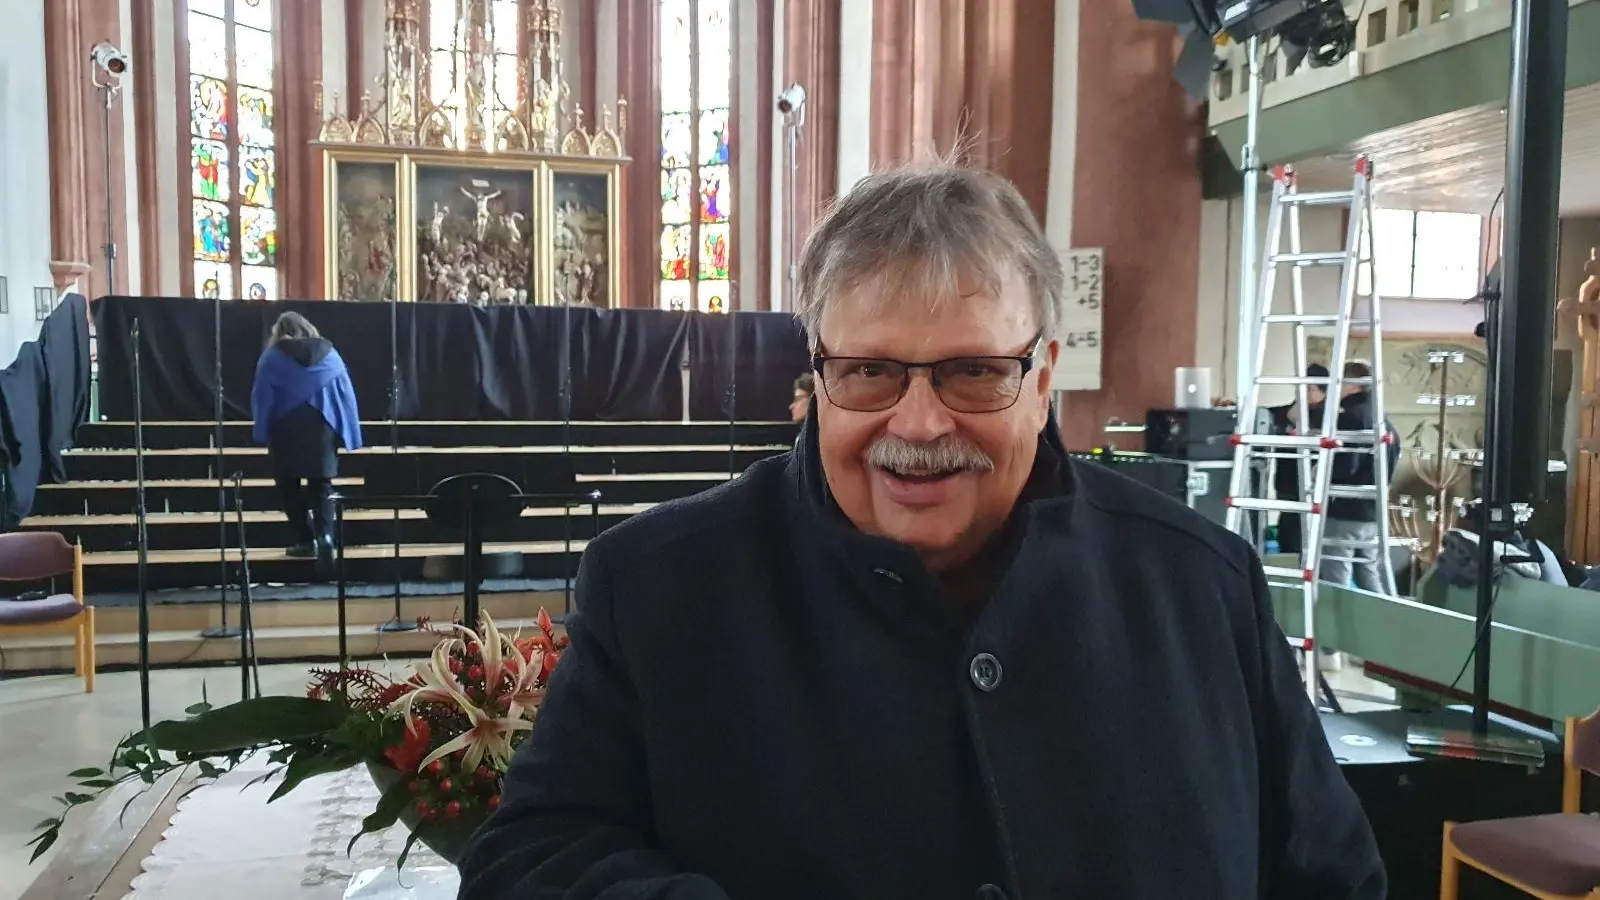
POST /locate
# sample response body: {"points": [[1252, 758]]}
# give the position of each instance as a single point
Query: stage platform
{"points": [[629, 466]]}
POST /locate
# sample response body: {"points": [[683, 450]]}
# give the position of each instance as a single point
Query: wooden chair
{"points": [[38, 556], [1552, 857]]}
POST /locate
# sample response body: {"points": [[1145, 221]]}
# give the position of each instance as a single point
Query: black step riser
{"points": [[361, 532], [202, 465], [417, 434]]}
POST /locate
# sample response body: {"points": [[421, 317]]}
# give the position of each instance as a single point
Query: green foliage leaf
{"points": [[248, 724], [411, 841], [43, 842], [133, 757], [197, 709], [101, 783], [390, 805], [309, 764], [85, 773]]}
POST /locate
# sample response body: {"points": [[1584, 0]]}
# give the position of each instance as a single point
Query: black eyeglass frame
{"points": [[1027, 361]]}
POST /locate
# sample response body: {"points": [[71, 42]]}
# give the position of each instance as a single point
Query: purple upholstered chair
{"points": [[40, 555], [1552, 857]]}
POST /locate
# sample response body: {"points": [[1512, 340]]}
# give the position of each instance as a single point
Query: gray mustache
{"points": [[947, 454]]}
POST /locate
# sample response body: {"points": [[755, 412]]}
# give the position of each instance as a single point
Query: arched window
{"points": [[447, 30], [696, 82], [233, 148]]}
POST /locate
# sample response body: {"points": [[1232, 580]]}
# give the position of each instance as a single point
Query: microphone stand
{"points": [[248, 664], [794, 123], [568, 576], [217, 438], [731, 397], [111, 87], [142, 539], [398, 623]]}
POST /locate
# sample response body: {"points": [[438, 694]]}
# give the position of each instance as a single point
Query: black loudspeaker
{"points": [[1408, 799], [1168, 476], [1190, 433]]}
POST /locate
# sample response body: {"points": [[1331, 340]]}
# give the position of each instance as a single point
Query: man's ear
{"points": [[1046, 367]]}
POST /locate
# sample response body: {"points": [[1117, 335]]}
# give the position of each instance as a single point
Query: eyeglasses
{"points": [[966, 384]]}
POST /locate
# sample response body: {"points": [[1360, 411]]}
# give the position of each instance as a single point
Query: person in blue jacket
{"points": [[304, 408]]}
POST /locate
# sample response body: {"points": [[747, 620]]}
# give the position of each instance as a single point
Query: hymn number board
{"points": [[1079, 326]]}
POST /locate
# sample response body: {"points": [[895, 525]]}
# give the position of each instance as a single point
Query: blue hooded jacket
{"points": [[300, 371]]}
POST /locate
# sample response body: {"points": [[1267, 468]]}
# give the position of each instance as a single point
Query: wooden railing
{"points": [[1388, 33]]}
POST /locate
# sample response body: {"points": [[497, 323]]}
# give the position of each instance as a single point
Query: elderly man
{"points": [[924, 655]]}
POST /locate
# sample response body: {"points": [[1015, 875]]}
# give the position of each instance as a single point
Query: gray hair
{"points": [[918, 231], [292, 325]]}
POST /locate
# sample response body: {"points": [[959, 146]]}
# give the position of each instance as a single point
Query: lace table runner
{"points": [[225, 840]]}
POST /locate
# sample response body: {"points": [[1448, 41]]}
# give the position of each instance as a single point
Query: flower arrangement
{"points": [[436, 743]]}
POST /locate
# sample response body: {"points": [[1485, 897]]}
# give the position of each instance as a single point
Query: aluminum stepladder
{"points": [[1316, 454]]}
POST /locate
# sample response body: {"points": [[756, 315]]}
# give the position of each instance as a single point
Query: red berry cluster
{"points": [[444, 792]]}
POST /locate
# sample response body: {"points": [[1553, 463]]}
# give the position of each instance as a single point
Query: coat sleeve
{"points": [[574, 820], [1316, 843], [260, 401]]}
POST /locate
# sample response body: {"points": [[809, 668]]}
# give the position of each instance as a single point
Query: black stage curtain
{"points": [[44, 395], [771, 353], [460, 362]]}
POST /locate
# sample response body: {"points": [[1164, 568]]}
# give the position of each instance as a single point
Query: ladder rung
{"points": [[1321, 198], [1282, 441], [1328, 258], [1312, 319], [1366, 436], [1272, 504], [1301, 643], [1307, 380], [1298, 575], [1354, 491], [1353, 560]]}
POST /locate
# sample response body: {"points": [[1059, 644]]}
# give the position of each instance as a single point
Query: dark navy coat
{"points": [[761, 702]]}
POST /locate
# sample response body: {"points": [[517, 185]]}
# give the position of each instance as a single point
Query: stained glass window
{"points": [[448, 31], [232, 156], [696, 83]]}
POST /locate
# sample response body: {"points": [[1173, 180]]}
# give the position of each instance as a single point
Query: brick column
{"points": [[64, 85]]}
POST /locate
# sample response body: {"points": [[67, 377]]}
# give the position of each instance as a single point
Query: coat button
{"points": [[991, 892], [985, 671]]}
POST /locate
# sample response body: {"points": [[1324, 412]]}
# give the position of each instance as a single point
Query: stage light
{"points": [[109, 59], [1314, 30], [792, 99]]}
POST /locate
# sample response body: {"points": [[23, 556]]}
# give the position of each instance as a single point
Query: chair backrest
{"points": [[34, 556], [1582, 755]]}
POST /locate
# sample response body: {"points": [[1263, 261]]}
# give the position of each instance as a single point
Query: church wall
{"points": [[1136, 193], [24, 174]]}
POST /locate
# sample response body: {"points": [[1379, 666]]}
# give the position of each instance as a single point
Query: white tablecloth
{"points": [[225, 840]]}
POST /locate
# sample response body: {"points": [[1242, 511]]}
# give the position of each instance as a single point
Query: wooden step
{"points": [[279, 554], [156, 519]]}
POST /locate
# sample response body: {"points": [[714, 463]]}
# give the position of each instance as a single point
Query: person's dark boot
{"points": [[302, 551]]}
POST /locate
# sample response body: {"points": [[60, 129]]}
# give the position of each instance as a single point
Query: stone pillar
{"points": [[64, 84], [969, 79], [811, 59], [638, 30]]}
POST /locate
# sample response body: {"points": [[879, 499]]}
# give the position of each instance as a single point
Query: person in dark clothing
{"points": [[925, 655], [1286, 473], [1351, 519], [304, 408], [800, 404]]}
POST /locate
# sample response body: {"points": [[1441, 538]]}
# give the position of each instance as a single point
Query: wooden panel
{"points": [[1583, 528]]}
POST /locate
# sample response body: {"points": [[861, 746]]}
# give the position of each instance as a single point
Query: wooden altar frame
{"points": [[333, 157], [611, 170], [542, 169]]}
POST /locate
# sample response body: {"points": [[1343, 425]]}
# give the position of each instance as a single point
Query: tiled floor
{"points": [[49, 727]]}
